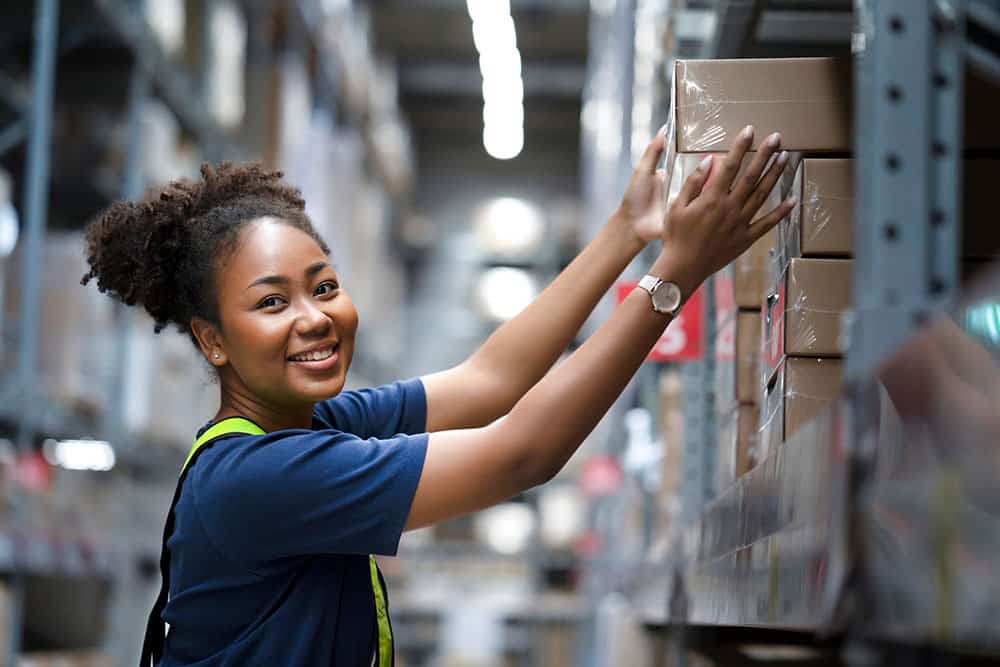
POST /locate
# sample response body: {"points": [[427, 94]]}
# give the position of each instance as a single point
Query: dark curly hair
{"points": [[163, 251]]}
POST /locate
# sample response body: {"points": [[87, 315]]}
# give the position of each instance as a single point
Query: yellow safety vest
{"points": [[152, 647]]}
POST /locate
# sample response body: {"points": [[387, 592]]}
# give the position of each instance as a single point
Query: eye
{"points": [[327, 288], [271, 302]]}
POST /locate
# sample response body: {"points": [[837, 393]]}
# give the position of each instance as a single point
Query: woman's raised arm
{"points": [[516, 356], [468, 470]]}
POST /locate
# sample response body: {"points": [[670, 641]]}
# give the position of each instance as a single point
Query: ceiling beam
{"points": [[805, 27], [563, 81], [515, 5], [734, 28]]}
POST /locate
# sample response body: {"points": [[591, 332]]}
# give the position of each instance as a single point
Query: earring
{"points": [[216, 355]]}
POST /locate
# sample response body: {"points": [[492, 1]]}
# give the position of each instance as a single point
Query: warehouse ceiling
{"points": [[440, 85]]}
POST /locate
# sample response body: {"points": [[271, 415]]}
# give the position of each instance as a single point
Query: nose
{"points": [[311, 320]]}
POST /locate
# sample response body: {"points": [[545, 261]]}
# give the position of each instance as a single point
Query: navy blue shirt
{"points": [[269, 553]]}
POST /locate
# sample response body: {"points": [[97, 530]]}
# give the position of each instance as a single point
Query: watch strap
{"points": [[650, 283]]}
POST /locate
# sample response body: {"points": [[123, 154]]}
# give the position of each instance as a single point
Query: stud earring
{"points": [[216, 355]]}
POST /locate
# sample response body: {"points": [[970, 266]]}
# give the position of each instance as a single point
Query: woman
{"points": [[294, 483]]}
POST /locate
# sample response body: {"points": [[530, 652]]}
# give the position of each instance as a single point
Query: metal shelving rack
{"points": [[827, 538]]}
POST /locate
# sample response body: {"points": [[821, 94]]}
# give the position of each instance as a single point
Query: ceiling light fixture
{"points": [[495, 37]]}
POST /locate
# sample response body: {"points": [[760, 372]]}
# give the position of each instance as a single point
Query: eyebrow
{"points": [[310, 271]]}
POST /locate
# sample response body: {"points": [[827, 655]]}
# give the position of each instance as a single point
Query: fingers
{"points": [[650, 156], [745, 184], [694, 183], [759, 194], [722, 180], [766, 223]]}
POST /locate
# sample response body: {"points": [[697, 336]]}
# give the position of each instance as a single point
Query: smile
{"points": [[317, 355]]}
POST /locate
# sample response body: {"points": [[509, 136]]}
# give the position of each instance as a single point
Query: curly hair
{"points": [[163, 251]]}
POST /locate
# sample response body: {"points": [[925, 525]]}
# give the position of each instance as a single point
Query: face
{"points": [[287, 326]]}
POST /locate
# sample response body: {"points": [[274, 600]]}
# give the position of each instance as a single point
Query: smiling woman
{"points": [[295, 482]]}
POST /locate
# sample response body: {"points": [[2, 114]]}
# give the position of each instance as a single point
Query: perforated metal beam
{"points": [[908, 139]]}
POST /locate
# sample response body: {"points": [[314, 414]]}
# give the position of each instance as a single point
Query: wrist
{"points": [[624, 228], [678, 270]]}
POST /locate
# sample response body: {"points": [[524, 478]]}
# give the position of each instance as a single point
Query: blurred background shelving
{"points": [[375, 109]]}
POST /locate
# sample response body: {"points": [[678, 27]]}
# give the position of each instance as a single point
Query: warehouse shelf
{"points": [[35, 554], [176, 90], [877, 522]]}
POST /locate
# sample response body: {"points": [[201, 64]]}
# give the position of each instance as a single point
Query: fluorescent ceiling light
{"points": [[80, 454], [494, 36], [503, 292], [502, 141], [510, 226], [506, 63], [506, 528], [486, 10]]}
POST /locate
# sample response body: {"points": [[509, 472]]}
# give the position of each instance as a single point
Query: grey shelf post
{"points": [[36, 200], [908, 146], [699, 419]]}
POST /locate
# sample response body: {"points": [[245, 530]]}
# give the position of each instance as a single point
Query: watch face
{"points": [[667, 297]]}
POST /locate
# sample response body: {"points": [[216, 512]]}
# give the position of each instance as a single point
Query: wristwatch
{"points": [[665, 295]]}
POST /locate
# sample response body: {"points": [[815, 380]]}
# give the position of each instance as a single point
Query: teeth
{"points": [[318, 355]]}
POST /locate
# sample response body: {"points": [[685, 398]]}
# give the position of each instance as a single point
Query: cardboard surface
{"points": [[737, 358], [744, 283], [822, 223], [800, 389], [803, 317], [808, 100], [737, 444], [671, 426]]}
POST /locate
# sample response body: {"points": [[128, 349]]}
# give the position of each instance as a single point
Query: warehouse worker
{"points": [[295, 483]]}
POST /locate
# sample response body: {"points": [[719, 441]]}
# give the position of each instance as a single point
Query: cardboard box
{"points": [[821, 225], [800, 389], [802, 317], [736, 453], [737, 361], [744, 283], [671, 426], [808, 100]]}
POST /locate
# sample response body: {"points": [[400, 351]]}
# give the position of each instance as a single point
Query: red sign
{"points": [[601, 476], [684, 339]]}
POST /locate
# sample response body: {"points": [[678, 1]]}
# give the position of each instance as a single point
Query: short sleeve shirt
{"points": [[269, 553]]}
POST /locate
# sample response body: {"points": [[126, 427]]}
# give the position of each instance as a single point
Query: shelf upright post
{"points": [[36, 202], [908, 144], [699, 419], [133, 183], [126, 614], [36, 199]]}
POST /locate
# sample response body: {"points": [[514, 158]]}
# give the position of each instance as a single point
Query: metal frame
{"points": [[907, 206], [36, 199], [699, 419]]}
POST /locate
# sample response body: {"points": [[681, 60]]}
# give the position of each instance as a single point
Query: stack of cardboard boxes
{"points": [[780, 307], [810, 290], [776, 349]]}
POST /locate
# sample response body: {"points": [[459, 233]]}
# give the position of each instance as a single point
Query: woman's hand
{"points": [[644, 202], [711, 221]]}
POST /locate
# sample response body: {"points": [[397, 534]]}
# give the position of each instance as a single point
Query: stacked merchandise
{"points": [[808, 101], [802, 315]]}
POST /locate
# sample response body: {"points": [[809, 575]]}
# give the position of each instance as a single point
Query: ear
{"points": [[209, 341]]}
